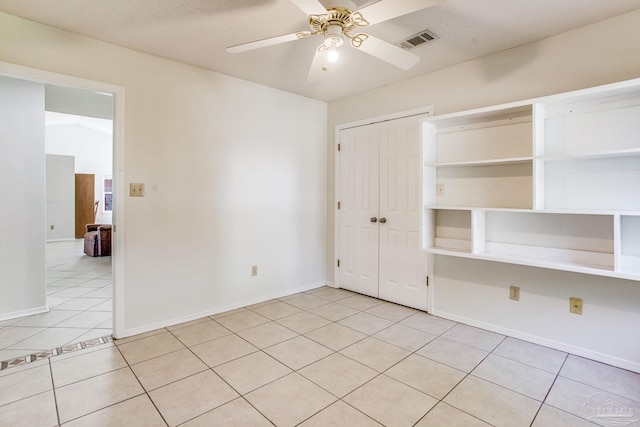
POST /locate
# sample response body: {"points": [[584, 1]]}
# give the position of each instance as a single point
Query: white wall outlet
{"points": [[136, 189], [440, 190], [514, 293], [254, 270]]}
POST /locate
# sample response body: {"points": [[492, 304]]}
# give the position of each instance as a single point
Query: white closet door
{"points": [[402, 265], [380, 179], [359, 196]]}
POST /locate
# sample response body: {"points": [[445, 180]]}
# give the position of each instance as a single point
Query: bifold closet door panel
{"points": [[359, 198], [402, 265]]}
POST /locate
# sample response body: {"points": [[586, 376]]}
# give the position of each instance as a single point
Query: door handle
{"points": [[373, 219], [383, 220]]}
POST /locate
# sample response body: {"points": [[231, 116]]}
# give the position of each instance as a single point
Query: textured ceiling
{"points": [[196, 32]]}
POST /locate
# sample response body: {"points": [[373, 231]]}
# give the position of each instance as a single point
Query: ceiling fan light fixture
{"points": [[331, 48], [333, 55], [333, 39]]}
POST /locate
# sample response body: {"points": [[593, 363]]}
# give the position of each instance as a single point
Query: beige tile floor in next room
{"points": [[79, 295], [326, 357]]}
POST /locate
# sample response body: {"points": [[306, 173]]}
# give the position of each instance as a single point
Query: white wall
{"points": [[90, 141], [60, 194], [235, 175], [477, 291], [22, 198]]}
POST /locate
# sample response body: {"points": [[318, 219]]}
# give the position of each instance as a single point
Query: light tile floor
{"points": [[326, 357], [79, 295]]}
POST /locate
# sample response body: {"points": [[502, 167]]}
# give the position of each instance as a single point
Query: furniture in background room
{"points": [[85, 199], [97, 240]]}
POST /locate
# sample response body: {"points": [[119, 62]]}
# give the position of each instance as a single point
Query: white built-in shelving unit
{"points": [[552, 182]]}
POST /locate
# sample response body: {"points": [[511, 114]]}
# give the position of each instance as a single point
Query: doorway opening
{"points": [[82, 136]]}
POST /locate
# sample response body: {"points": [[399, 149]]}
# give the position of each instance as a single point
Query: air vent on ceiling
{"points": [[419, 39]]}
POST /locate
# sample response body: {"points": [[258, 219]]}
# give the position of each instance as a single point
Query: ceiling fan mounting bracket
{"points": [[341, 16]]}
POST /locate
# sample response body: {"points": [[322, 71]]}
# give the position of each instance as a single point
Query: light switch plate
{"points": [[136, 189]]}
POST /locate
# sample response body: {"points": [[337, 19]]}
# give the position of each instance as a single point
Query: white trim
{"points": [[578, 351], [428, 110], [47, 77], [217, 310], [22, 313], [431, 294]]}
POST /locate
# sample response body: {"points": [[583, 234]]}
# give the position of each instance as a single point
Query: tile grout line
{"points": [[378, 373], [467, 375], [210, 368], [549, 391], [268, 355], [144, 390], [115, 403], [296, 371], [53, 390]]}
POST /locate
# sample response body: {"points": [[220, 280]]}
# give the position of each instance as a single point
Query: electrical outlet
{"points": [[136, 189], [440, 189], [254, 270], [514, 293], [575, 305]]}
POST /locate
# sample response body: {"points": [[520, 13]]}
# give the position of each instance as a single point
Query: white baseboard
{"points": [[217, 310], [578, 351], [23, 313]]}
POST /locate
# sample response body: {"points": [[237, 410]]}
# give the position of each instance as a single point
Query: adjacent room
{"points": [[72, 130], [320, 212]]}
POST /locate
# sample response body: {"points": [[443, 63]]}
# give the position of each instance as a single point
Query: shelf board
{"points": [[630, 152], [489, 162], [452, 208], [588, 212], [436, 249], [476, 208], [539, 211], [563, 266], [515, 110]]}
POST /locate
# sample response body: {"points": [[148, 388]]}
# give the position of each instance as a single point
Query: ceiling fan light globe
{"points": [[333, 55]]}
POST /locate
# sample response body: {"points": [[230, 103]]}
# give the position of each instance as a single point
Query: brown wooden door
{"points": [[85, 199]]}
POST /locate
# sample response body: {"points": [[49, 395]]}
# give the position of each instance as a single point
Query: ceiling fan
{"points": [[336, 24]]}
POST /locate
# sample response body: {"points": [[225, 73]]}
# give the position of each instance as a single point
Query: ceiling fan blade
{"points": [[318, 67], [388, 52], [244, 47], [389, 9], [310, 7]]}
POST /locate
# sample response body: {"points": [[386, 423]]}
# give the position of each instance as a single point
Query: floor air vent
{"points": [[418, 39]]}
